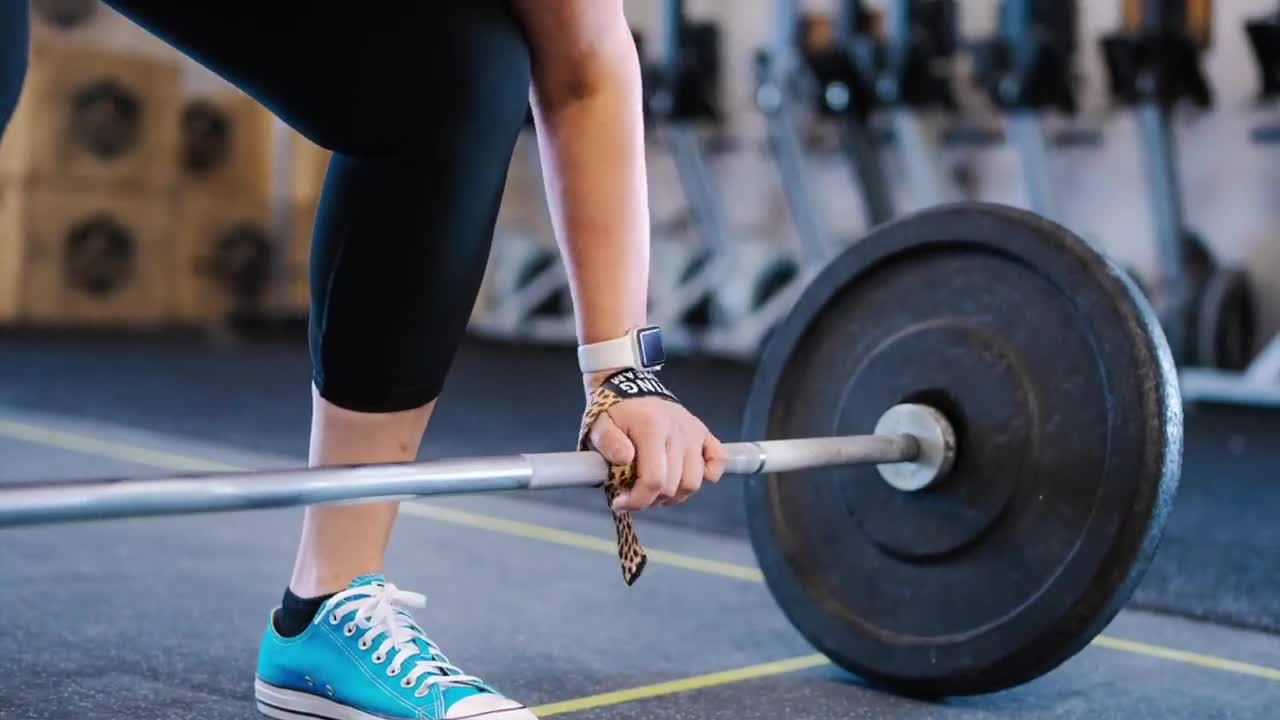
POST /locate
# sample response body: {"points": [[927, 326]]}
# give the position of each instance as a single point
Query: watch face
{"points": [[652, 353]]}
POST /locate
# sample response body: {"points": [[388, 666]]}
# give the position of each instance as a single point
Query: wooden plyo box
{"points": [[308, 165], [226, 144], [89, 115], [224, 255], [75, 257]]}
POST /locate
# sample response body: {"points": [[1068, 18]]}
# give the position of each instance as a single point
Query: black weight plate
{"points": [[1064, 397], [1226, 320], [776, 278], [1198, 261], [1178, 315]]}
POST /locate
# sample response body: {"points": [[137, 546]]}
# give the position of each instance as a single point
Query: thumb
{"points": [[611, 442]]}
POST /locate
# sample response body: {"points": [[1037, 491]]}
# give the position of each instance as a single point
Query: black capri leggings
{"points": [[421, 104]]}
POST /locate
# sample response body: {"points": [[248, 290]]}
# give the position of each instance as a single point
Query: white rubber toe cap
{"points": [[488, 706]]}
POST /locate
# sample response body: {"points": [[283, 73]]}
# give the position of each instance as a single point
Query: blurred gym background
{"points": [[204, 202], [154, 224]]}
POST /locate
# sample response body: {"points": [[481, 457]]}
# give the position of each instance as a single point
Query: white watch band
{"points": [[616, 354]]}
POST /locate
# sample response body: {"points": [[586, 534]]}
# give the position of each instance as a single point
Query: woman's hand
{"points": [[673, 451]]}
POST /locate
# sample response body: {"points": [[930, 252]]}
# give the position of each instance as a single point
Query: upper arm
{"points": [[576, 42]]}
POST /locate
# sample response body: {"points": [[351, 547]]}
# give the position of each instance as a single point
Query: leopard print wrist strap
{"points": [[619, 387]]}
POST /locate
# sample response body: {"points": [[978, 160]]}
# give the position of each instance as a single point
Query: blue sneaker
{"points": [[364, 658]]}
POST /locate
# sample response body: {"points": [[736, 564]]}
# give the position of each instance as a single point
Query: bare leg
{"points": [[342, 542]]}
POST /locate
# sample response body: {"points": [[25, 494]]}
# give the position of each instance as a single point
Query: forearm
{"points": [[591, 137]]}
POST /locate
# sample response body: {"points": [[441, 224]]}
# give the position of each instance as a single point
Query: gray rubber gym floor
{"points": [[160, 618]]}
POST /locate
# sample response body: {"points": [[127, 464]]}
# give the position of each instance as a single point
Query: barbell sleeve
{"points": [[71, 501]]}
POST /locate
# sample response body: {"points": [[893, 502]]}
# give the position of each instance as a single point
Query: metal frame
{"points": [[773, 100], [920, 150], [1258, 386], [1026, 131], [737, 336], [671, 306], [511, 316], [1159, 157], [920, 142], [863, 157], [711, 226], [858, 142], [1024, 118], [917, 131]]}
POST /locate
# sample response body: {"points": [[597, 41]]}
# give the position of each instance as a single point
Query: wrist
{"points": [[593, 380], [627, 383]]}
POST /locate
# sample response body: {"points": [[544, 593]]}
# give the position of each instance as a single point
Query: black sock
{"points": [[296, 613]]}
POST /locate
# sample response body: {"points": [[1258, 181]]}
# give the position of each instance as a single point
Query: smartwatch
{"points": [[639, 349]]}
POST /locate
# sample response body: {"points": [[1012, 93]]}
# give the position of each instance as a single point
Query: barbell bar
{"points": [[1045, 359], [71, 501]]}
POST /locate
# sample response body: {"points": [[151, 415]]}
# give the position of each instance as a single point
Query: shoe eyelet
{"points": [[349, 630], [406, 683], [329, 689], [310, 682], [333, 618], [364, 644], [393, 671], [377, 658]]}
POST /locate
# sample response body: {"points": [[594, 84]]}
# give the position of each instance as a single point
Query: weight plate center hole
{"points": [[950, 408], [935, 441]]}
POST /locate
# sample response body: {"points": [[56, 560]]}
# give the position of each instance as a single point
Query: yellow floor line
{"points": [[1189, 658], [76, 442], [183, 463], [578, 540], [683, 685]]}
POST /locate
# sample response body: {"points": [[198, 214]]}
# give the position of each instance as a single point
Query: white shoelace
{"points": [[378, 609]]}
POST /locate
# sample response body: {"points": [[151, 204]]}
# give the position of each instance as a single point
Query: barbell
{"points": [[991, 441], [921, 458]]}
